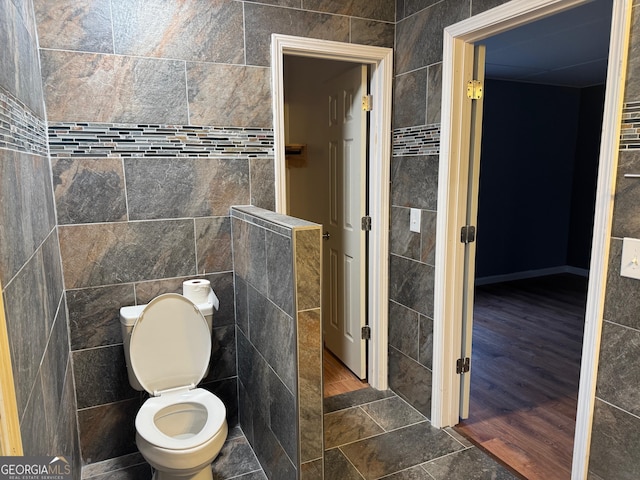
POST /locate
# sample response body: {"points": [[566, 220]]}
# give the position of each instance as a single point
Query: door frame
{"points": [[381, 61], [449, 256]]}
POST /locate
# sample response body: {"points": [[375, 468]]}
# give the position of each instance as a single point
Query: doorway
{"points": [[380, 63], [326, 170], [450, 255]]}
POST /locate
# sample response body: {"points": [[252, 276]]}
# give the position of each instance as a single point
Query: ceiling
{"points": [[568, 49]]}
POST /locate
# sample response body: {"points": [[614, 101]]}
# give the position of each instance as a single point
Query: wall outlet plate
{"points": [[414, 220], [630, 265]]}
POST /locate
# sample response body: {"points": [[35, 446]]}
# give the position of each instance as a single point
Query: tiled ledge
{"points": [[132, 140], [20, 129]]}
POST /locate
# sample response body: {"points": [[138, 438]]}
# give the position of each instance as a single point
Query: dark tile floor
{"points": [[369, 435]]}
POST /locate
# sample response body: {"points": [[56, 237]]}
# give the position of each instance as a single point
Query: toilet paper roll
{"points": [[196, 290]]}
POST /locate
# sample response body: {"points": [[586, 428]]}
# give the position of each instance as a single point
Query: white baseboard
{"points": [[542, 272]]}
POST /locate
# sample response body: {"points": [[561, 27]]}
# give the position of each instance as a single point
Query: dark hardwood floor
{"points": [[527, 343]]}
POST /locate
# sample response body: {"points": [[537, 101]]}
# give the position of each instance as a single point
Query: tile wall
{"points": [[159, 116], [277, 277], [30, 270]]}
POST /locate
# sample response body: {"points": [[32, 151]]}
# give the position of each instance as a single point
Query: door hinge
{"points": [[474, 89], [366, 332], [463, 365], [468, 234], [367, 103], [366, 223]]}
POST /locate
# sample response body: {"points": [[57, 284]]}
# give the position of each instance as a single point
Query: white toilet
{"points": [[180, 429]]}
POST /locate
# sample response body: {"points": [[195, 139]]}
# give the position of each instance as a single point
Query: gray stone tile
{"points": [[197, 187], [193, 30], [615, 443], [27, 313], [280, 282], [249, 253], [376, 9], [410, 99], [53, 282], [471, 464], [83, 25], [371, 32], [352, 399], [403, 329], [67, 440], [626, 222], [425, 352], [346, 426], [89, 190], [311, 470], [253, 373], [282, 420], [27, 211], [113, 89], [308, 265], [428, 237], [263, 193], [392, 413], [415, 181], [385, 454], [271, 455], [411, 381], [336, 466], [479, 6], [617, 380], [36, 439], [242, 309], [236, 458], [632, 80], [273, 334], [113, 464], [419, 37], [262, 20], [94, 315], [403, 242], [105, 254], [223, 354], [411, 284], [434, 93], [108, 431], [137, 472], [229, 95], [227, 391], [213, 244], [622, 303], [101, 376], [413, 473]]}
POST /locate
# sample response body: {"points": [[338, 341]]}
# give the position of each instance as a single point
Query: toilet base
{"points": [[204, 474]]}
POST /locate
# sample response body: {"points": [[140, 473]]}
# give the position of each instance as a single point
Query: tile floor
{"points": [[369, 435]]}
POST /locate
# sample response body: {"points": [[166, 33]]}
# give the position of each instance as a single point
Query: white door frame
{"points": [[448, 273], [381, 61]]}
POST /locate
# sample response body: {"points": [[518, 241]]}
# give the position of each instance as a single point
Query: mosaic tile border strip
{"points": [[630, 129], [20, 129], [127, 140], [422, 140]]}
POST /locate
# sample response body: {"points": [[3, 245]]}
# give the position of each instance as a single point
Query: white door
{"points": [[477, 54], [344, 259]]}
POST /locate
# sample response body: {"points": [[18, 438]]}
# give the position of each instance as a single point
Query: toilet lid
{"points": [[170, 344]]}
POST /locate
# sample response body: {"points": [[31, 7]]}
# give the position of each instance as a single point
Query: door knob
{"points": [[326, 235]]}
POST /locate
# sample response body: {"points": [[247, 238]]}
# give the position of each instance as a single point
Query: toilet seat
{"points": [[147, 427], [170, 345]]}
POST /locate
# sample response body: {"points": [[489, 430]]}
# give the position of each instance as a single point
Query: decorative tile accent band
{"points": [[421, 140], [630, 129], [20, 129], [127, 140]]}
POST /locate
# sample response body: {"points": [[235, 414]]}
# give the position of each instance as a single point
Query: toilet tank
{"points": [[128, 317]]}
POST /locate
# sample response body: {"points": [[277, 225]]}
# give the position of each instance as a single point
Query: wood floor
{"points": [[338, 378], [525, 365]]}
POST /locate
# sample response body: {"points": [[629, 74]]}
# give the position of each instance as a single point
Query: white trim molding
{"points": [[381, 62], [447, 320]]}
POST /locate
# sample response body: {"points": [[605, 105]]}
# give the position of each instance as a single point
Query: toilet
{"points": [[180, 429]]}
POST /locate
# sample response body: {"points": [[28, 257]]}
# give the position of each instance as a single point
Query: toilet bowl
{"points": [[180, 429]]}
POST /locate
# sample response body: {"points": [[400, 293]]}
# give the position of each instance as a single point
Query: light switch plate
{"points": [[414, 220], [630, 265]]}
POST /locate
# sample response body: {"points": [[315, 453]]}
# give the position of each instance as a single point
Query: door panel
{"points": [[346, 242]]}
